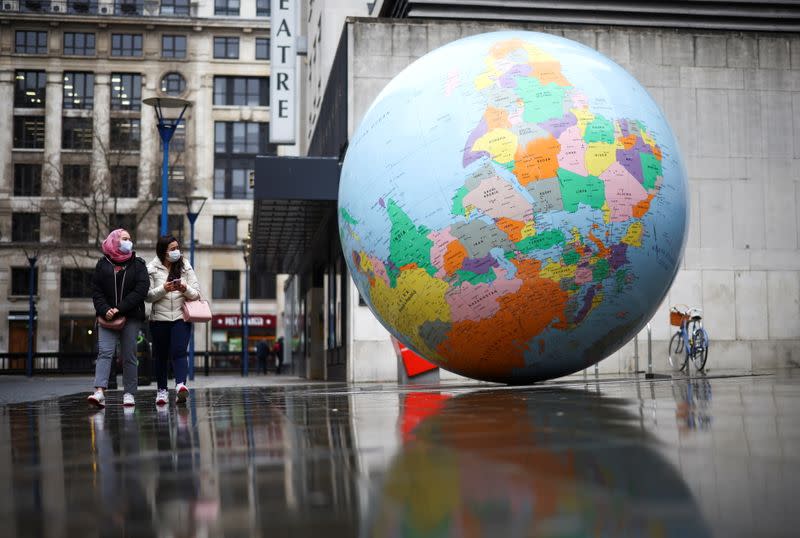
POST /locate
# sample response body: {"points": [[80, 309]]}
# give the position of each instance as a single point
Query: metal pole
{"points": [[246, 316], [31, 284], [649, 350], [164, 179], [636, 354], [192, 218]]}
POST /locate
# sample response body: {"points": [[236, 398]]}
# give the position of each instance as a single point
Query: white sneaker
{"points": [[162, 398], [97, 399], [181, 392], [128, 400]]}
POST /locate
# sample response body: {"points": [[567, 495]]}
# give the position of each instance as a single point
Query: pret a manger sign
{"points": [[283, 82]]}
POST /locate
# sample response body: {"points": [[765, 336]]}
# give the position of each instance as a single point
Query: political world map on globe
{"points": [[513, 206]]}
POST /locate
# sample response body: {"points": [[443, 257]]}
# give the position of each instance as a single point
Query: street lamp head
{"points": [[195, 204], [166, 102]]}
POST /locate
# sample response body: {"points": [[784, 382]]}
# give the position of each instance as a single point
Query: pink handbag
{"points": [[196, 311]]}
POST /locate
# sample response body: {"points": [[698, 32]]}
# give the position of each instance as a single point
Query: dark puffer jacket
{"points": [[131, 297]]}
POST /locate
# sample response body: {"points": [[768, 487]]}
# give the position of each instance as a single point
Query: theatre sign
{"points": [[283, 80]]}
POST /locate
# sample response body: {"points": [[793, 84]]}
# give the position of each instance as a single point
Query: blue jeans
{"points": [[170, 340]]}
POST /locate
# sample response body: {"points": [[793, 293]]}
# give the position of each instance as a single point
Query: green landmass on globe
{"points": [[491, 264]]}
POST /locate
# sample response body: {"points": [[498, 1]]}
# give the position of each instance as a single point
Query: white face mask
{"points": [[174, 255], [126, 246]]}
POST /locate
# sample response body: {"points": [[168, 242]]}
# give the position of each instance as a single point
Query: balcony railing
{"points": [[103, 8]]}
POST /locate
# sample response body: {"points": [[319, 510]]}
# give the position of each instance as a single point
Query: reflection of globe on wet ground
{"points": [[513, 206]]}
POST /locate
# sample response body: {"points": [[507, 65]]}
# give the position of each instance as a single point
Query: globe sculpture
{"points": [[513, 206]]}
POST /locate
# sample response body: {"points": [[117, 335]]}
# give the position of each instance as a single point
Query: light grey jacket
{"points": [[168, 306]]}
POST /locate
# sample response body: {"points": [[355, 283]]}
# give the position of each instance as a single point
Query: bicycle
{"points": [[690, 341]]}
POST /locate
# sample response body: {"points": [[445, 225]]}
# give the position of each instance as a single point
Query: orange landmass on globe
{"points": [[641, 208], [472, 345], [537, 160], [454, 257], [512, 228]]}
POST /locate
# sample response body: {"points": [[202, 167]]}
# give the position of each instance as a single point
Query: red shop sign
{"points": [[234, 321]]}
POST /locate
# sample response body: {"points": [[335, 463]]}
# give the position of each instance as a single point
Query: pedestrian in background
{"points": [[172, 282], [119, 288], [262, 350]]}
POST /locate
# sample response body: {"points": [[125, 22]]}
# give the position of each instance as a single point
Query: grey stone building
{"points": [[80, 154]]}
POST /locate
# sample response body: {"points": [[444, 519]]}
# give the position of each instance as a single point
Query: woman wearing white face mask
{"points": [[119, 289], [172, 282]]}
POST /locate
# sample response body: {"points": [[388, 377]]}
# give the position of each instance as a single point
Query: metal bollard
{"points": [[636, 354], [649, 350]]}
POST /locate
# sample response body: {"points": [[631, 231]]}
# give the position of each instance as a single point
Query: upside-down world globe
{"points": [[513, 207]]}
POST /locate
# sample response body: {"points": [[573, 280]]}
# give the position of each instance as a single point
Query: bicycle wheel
{"points": [[699, 348], [677, 352]]}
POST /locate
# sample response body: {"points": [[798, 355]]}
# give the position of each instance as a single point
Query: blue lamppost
{"points": [[31, 313], [192, 215], [166, 128], [246, 310]]}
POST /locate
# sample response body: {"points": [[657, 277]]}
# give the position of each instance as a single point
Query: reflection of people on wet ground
{"points": [[177, 486], [122, 501], [527, 462]]}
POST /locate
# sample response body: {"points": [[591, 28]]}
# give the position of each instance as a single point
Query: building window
{"points": [[125, 134], [82, 7], [79, 43], [262, 8], [226, 48], [75, 180], [74, 228], [173, 46], [25, 227], [174, 227], [236, 145], [231, 181], [20, 280], [29, 132], [124, 221], [31, 42], [130, 7], [262, 285], [126, 91], [225, 230], [27, 180], [242, 137], [241, 91], [262, 48], [124, 182], [29, 89], [128, 45], [174, 7], [76, 334], [76, 133], [34, 6], [226, 7], [78, 90], [76, 283], [225, 284], [173, 84]]}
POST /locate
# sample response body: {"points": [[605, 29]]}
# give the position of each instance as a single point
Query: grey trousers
{"points": [[107, 344]]}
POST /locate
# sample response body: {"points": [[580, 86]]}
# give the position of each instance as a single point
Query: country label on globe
{"points": [[513, 206]]}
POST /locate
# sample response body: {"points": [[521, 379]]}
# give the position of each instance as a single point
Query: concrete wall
{"points": [[733, 101]]}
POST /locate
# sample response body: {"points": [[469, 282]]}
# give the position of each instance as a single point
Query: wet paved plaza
{"points": [[700, 457]]}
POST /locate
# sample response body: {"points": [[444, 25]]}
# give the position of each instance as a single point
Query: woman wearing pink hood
{"points": [[120, 284]]}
